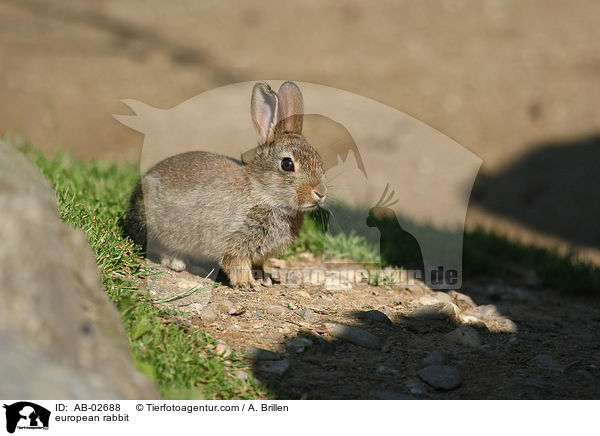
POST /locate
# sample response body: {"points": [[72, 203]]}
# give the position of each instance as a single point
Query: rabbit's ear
{"points": [[263, 109], [291, 108]]}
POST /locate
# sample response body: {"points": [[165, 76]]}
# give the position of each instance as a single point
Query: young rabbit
{"points": [[200, 207]]}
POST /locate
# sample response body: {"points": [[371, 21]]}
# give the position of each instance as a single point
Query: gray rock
{"points": [[276, 367], [545, 361], [386, 395], [308, 315], [255, 353], [257, 314], [275, 309], [353, 335], [438, 311], [376, 316], [241, 375], [415, 387], [435, 358], [464, 335], [385, 370], [71, 342], [299, 345], [463, 301], [441, 377], [585, 374], [208, 314]]}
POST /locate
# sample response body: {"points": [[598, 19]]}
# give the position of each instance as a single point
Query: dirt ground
{"points": [[519, 340], [515, 82]]}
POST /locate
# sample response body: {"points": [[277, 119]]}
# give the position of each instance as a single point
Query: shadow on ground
{"points": [[553, 189]]}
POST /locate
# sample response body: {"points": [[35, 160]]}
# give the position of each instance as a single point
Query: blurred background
{"points": [[517, 83]]}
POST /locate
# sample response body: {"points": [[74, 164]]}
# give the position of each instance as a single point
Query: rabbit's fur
{"points": [[203, 207]]}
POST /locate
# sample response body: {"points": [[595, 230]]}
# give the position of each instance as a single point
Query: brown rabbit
{"points": [[200, 207]]}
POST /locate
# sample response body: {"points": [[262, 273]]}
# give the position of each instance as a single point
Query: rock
{"points": [[257, 314], [375, 316], [545, 361], [208, 314], [507, 325], [308, 315], [471, 320], [489, 311], [536, 383], [585, 374], [415, 387], [303, 294], [60, 335], [236, 311], [298, 345], [275, 309], [436, 358], [241, 375], [436, 311], [393, 396], [385, 370], [463, 301], [276, 367], [353, 335], [464, 335], [223, 350], [441, 377], [255, 353]]}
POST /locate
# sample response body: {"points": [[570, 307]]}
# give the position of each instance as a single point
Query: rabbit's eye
{"points": [[287, 164]]}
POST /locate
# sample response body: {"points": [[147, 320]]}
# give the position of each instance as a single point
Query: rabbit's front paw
{"points": [[173, 263]]}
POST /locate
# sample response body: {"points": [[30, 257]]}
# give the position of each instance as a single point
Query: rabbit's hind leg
{"points": [[173, 263]]}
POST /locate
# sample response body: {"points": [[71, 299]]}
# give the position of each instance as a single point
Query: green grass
{"points": [[92, 197]]}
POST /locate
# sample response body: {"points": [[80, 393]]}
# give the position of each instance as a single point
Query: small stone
{"points": [[276, 367], [277, 263], [393, 396], [545, 361], [415, 387], [275, 309], [375, 316], [257, 314], [209, 314], [236, 311], [437, 311], [506, 325], [471, 320], [304, 294], [463, 301], [435, 358], [386, 348], [353, 335], [298, 345], [585, 374], [465, 335], [536, 383], [489, 311], [308, 315], [385, 370], [241, 375], [223, 350], [255, 353], [441, 377]]}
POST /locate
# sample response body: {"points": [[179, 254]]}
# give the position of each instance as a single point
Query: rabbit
{"points": [[201, 206]]}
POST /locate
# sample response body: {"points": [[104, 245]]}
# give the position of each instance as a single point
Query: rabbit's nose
{"points": [[320, 192]]}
